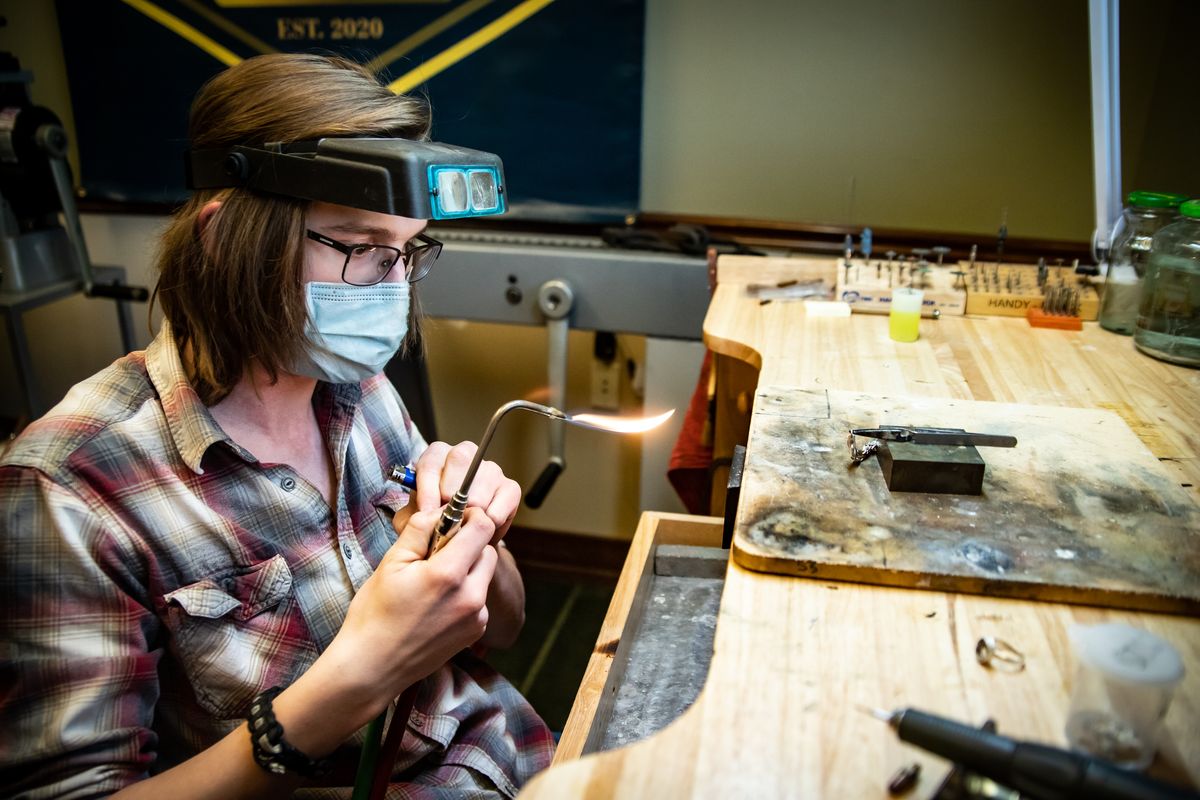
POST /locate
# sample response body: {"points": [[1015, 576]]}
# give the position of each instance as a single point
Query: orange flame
{"points": [[622, 424], [538, 395]]}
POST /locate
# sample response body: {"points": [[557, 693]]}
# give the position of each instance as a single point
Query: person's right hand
{"points": [[417, 610]]}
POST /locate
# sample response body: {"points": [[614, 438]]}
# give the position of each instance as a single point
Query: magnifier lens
{"points": [[484, 196], [452, 191]]}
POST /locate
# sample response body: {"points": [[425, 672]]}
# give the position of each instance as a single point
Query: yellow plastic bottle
{"points": [[904, 319]]}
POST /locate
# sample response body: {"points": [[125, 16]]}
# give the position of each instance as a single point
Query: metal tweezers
{"points": [[950, 436]]}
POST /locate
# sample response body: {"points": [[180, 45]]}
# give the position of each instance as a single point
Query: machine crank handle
{"points": [[541, 487], [555, 300]]}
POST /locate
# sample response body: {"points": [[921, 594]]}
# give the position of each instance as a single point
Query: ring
{"points": [[991, 652]]}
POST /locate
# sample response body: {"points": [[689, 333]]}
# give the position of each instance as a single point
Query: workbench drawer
{"points": [[592, 711]]}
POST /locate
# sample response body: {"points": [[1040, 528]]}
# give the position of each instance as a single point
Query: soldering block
{"points": [[931, 468], [1063, 322]]}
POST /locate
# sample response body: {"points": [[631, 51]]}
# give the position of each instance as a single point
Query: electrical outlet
{"points": [[606, 384]]}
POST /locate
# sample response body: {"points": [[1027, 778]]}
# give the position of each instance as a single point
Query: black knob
{"points": [[541, 487]]}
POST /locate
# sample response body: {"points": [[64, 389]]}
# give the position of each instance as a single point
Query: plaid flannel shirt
{"points": [[155, 576]]}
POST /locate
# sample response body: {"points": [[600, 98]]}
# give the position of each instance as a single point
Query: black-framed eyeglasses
{"points": [[369, 264]]}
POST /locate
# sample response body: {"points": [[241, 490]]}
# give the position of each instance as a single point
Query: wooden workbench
{"points": [[793, 657]]}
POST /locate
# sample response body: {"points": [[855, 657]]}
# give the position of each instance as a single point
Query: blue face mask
{"points": [[352, 331]]}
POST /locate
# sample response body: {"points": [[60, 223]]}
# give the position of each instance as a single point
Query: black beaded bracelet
{"points": [[271, 750]]}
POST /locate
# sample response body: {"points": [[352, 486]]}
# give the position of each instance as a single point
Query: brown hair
{"points": [[238, 294]]}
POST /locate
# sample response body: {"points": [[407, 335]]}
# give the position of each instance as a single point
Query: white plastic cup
{"points": [[1122, 691], [904, 319]]}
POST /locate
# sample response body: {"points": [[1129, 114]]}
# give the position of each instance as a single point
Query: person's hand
{"points": [[440, 471], [417, 610]]}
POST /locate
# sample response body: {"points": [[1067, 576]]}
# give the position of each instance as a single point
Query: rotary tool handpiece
{"points": [[1035, 770]]}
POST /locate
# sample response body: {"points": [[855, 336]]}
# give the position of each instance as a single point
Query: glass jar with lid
{"points": [[1168, 322], [1146, 213]]}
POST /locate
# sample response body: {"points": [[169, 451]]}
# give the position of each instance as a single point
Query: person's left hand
{"points": [[440, 471]]}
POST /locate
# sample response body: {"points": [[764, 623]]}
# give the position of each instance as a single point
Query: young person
{"points": [[208, 520]]}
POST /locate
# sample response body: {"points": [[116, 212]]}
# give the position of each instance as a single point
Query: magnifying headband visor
{"points": [[421, 180]]}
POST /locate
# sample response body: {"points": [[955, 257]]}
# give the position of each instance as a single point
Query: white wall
{"points": [[922, 114], [672, 368]]}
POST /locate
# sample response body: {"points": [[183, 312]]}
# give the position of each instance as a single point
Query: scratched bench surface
{"points": [[1080, 511]]}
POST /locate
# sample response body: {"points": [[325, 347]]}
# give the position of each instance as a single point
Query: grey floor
{"points": [[562, 619]]}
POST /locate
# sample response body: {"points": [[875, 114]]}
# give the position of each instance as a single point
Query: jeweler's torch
{"points": [[453, 513]]}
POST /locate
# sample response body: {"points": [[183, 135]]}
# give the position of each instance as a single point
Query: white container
{"points": [[1122, 690]]}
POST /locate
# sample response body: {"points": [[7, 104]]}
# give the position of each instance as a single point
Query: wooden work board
{"points": [[1079, 511]]}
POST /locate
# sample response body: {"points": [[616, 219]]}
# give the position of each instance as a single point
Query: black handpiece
{"points": [[1038, 771]]}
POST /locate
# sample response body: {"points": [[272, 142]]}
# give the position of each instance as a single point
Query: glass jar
{"points": [[1168, 322], [1146, 214]]}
